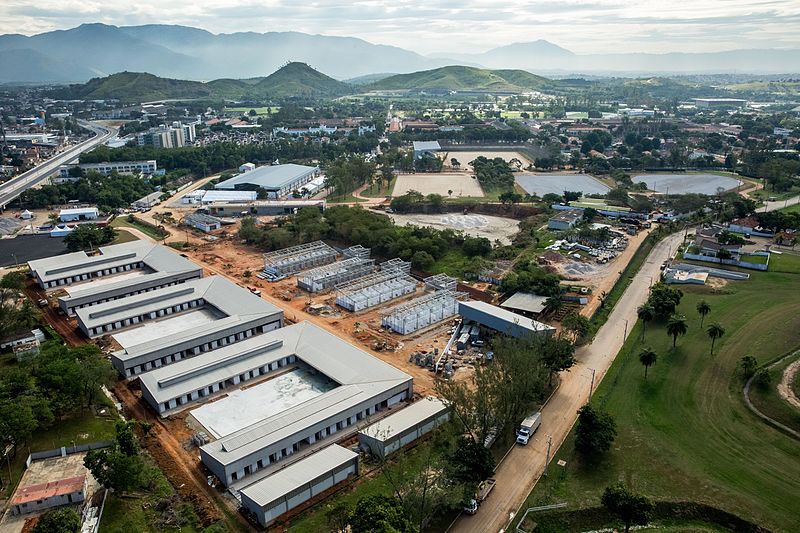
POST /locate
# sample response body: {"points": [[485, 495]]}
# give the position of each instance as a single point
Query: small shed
{"points": [[205, 223], [47, 495], [564, 220], [26, 215], [403, 427]]}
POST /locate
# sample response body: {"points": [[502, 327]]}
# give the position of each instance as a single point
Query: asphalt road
{"points": [[518, 473], [15, 186], [780, 204]]}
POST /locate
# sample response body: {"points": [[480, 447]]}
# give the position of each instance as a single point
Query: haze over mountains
{"points": [[96, 50]]}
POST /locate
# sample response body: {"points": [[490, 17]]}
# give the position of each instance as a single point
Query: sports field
{"points": [[687, 183], [542, 184], [461, 184], [685, 433]]}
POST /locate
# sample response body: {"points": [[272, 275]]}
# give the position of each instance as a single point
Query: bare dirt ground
{"points": [[488, 226], [601, 278], [461, 183], [465, 157], [785, 388]]}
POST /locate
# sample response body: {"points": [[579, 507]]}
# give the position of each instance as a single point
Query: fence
{"points": [[64, 451], [732, 262]]}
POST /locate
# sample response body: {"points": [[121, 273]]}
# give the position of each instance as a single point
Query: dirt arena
{"points": [[465, 157], [461, 183]]}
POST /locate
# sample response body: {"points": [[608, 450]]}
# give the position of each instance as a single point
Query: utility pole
{"points": [[547, 457]]}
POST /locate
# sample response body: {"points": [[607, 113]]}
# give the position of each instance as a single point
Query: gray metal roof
{"points": [[502, 315], [525, 301], [273, 177], [360, 376], [202, 218], [155, 256], [405, 419], [281, 483], [218, 292], [427, 146]]}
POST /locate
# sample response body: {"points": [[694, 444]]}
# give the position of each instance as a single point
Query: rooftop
{"points": [[283, 482], [567, 216], [31, 493], [504, 315], [405, 419], [155, 256], [77, 211], [430, 146], [273, 177], [358, 374], [525, 301]]}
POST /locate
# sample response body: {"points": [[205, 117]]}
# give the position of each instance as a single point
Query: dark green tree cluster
{"points": [[56, 382], [629, 507], [493, 173], [64, 520], [421, 246], [89, 236], [594, 433], [664, 299], [346, 174], [119, 467], [527, 276], [779, 220], [14, 317], [108, 192]]}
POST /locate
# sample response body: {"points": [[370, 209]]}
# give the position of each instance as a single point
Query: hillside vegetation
{"points": [[291, 80], [462, 78]]}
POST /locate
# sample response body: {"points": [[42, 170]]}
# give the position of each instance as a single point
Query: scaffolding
{"points": [[441, 282], [329, 276], [375, 289], [397, 265], [356, 251], [288, 261], [422, 312]]}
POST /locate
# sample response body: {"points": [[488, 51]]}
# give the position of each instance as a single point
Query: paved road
{"points": [[780, 204], [14, 187], [517, 475]]}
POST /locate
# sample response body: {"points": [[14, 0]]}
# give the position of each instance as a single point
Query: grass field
{"points": [[791, 209], [124, 236], [769, 402], [155, 233], [685, 433]]}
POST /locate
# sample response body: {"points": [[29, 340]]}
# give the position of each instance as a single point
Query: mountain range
{"points": [[97, 50]]}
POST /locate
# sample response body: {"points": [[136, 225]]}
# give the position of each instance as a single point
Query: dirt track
{"points": [[785, 388]]}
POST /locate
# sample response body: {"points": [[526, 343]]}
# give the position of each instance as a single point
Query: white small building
{"points": [[205, 223], [403, 427], [78, 214], [299, 482], [247, 167], [32, 498], [24, 337], [148, 201]]}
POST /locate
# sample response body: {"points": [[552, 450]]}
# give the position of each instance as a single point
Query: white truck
{"points": [[528, 427], [484, 488]]}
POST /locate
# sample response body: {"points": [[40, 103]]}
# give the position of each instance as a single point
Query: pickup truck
{"points": [[484, 488]]}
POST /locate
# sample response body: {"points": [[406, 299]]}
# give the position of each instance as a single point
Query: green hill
{"points": [[291, 80], [461, 78], [136, 87], [298, 79]]}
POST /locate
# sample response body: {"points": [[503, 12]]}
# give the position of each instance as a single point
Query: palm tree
{"points": [[552, 305], [648, 358], [703, 308], [715, 331], [676, 326], [646, 313]]}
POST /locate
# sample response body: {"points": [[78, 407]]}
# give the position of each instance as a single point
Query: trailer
{"points": [[484, 488]]}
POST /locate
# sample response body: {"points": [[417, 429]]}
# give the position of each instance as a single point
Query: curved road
{"points": [[518, 473], [16, 186]]}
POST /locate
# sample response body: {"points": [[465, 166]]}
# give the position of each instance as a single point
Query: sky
{"points": [[454, 26]]}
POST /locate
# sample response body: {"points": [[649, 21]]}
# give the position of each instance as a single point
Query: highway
{"points": [[518, 473], [17, 185]]}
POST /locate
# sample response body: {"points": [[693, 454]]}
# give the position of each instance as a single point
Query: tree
{"points": [[577, 324], [590, 213], [379, 514], [664, 299], [64, 520], [595, 431], [676, 326], [715, 331], [648, 358], [628, 506], [553, 305], [703, 308], [422, 260], [338, 517], [86, 236], [119, 467], [558, 354], [762, 378], [470, 461], [646, 313], [748, 366]]}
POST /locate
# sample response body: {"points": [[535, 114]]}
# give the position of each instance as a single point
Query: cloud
{"points": [[455, 26]]}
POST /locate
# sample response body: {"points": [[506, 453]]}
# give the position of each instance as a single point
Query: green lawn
{"points": [[763, 195], [343, 199], [771, 404], [791, 209], [685, 433], [755, 259], [380, 192], [258, 110], [124, 236], [155, 233]]}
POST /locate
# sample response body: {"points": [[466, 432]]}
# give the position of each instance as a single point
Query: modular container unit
{"points": [[288, 261], [422, 312], [374, 290], [329, 276]]}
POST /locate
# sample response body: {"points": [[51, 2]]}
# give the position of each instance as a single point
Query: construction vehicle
{"points": [[484, 488]]}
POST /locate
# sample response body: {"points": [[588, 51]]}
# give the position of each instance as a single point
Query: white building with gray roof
{"points": [[277, 180], [169, 324], [118, 271], [364, 386]]}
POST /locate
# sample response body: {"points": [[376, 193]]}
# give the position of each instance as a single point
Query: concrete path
{"points": [[780, 204], [518, 473]]}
